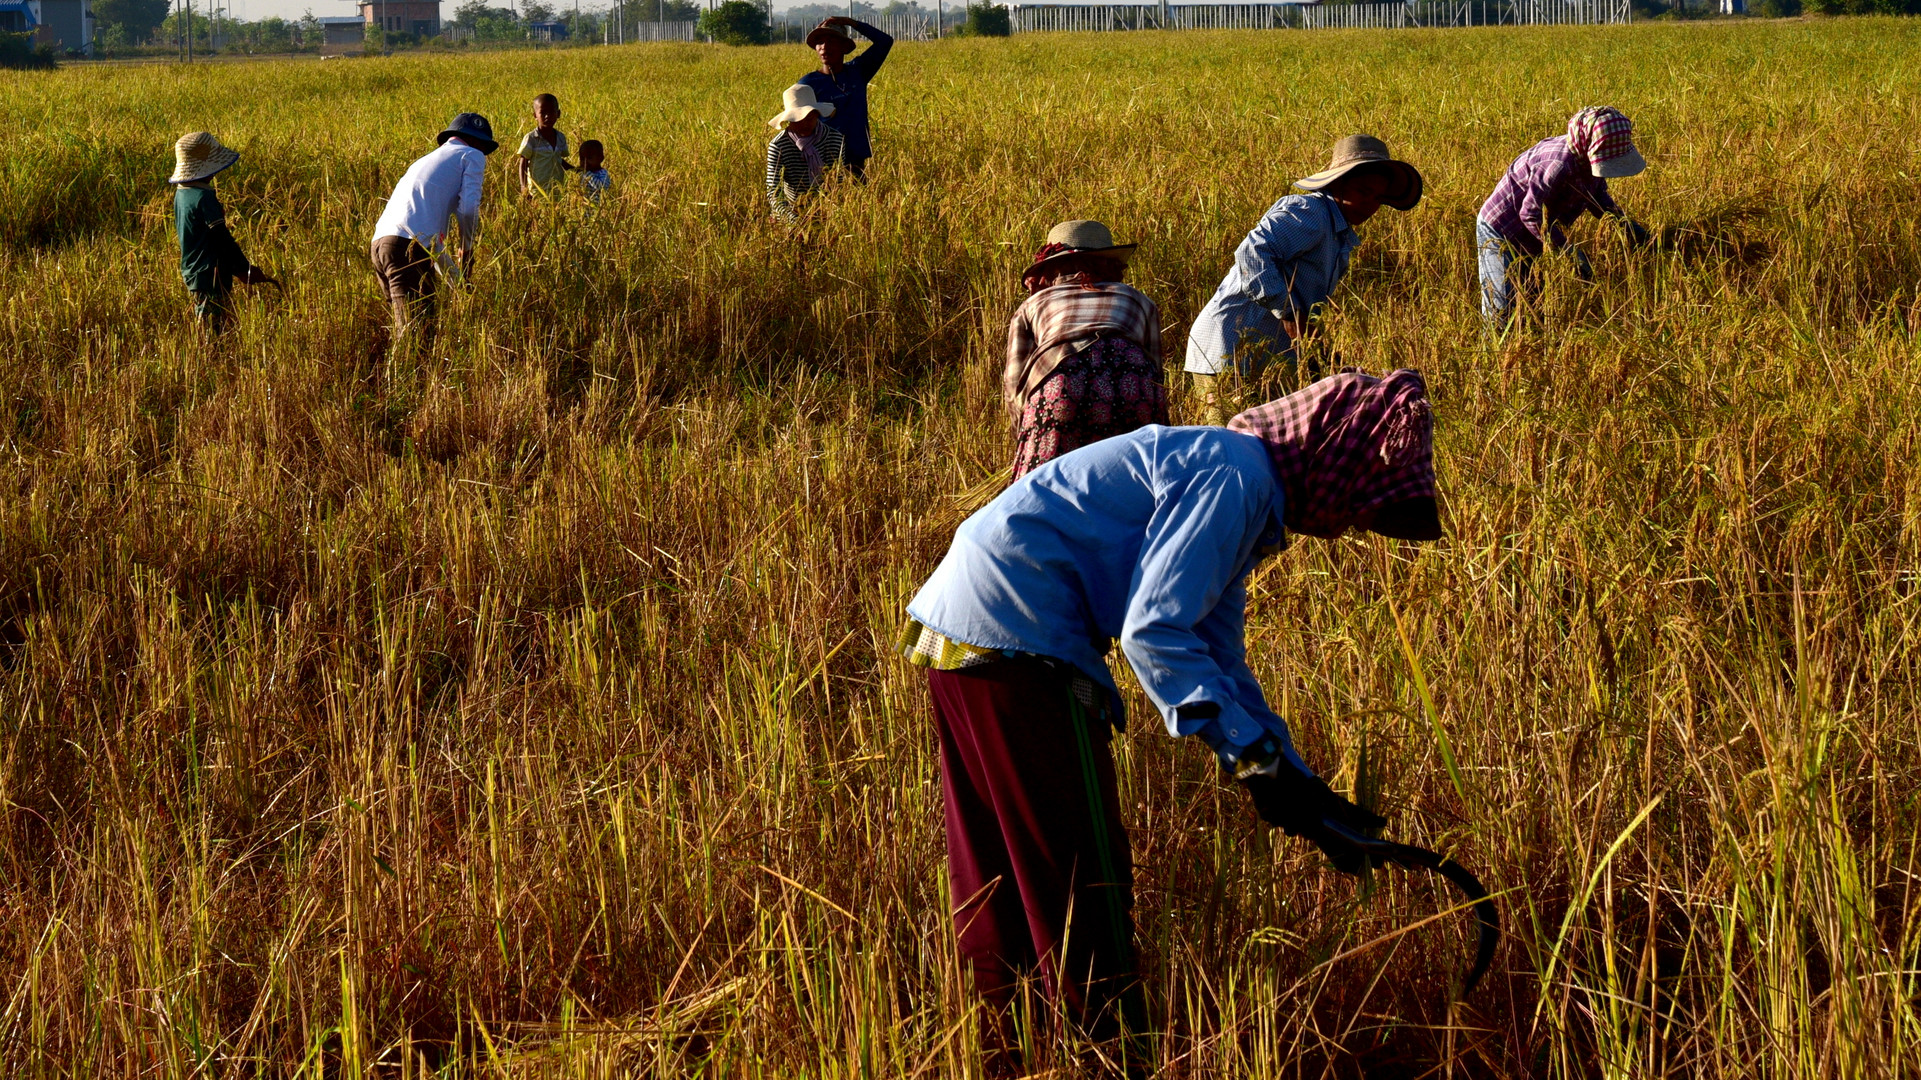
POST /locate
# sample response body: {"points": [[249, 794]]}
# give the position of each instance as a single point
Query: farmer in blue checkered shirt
{"points": [[1289, 265]]}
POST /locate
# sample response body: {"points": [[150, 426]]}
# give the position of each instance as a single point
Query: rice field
{"points": [[525, 707]]}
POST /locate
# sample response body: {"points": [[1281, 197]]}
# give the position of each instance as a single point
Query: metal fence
{"points": [[899, 27], [1036, 18], [620, 32], [905, 27]]}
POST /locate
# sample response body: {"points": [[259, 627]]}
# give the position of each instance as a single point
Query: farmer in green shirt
{"points": [[210, 259]]}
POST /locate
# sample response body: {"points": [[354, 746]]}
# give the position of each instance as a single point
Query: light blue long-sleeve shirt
{"points": [[1146, 537], [1288, 264]]}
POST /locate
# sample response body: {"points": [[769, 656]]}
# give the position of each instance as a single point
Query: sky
{"points": [[294, 9]]}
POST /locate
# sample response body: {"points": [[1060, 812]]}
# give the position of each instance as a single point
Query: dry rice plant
{"points": [[524, 707]]}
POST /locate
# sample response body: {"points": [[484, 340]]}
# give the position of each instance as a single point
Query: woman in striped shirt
{"points": [[1083, 350], [799, 157]]}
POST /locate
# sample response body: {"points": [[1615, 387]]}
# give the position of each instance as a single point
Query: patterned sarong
{"points": [[1109, 388]]}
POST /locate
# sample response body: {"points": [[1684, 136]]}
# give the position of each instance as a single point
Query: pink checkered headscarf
{"points": [[1600, 134], [1346, 446]]}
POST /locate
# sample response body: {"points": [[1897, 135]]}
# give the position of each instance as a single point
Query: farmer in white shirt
{"points": [[412, 232]]}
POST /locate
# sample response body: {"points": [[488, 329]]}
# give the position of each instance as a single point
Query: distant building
{"points": [[547, 31], [339, 30], [420, 18], [63, 24]]}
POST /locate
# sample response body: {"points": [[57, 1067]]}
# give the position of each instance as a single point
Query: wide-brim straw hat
{"points": [[1082, 237], [829, 33], [1367, 152], [799, 100], [472, 128], [197, 155]]}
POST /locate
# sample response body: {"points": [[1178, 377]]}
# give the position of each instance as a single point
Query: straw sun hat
{"points": [[1082, 238], [197, 156], [1365, 151], [799, 99]]}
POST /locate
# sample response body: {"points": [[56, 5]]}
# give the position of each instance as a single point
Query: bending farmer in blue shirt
{"points": [[842, 83], [1147, 538], [1290, 263]]}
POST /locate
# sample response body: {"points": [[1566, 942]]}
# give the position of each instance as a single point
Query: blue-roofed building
{"points": [[64, 24]]}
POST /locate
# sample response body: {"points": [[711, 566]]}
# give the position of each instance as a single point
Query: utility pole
{"points": [[186, 7]]}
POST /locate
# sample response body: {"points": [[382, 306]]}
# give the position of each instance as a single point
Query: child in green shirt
{"points": [[543, 152], [210, 258]]}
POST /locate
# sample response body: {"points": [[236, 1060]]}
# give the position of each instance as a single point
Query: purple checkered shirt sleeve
{"points": [[1601, 201]]}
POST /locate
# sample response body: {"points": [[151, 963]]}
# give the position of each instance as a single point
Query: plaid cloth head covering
{"points": [[1347, 446], [1602, 135], [1047, 251], [1029, 279]]}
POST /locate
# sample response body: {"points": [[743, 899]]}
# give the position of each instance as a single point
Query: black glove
{"points": [[1637, 234], [1302, 805]]}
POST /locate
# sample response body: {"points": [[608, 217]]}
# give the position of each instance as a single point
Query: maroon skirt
{"points": [[1108, 388]]}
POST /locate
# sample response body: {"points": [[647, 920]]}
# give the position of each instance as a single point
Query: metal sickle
{"points": [[1383, 852]]}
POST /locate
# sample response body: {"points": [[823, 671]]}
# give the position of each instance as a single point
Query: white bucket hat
{"points": [[799, 99], [198, 155]]}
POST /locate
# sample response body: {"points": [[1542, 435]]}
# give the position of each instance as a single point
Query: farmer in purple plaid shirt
{"points": [[1144, 538], [1550, 185]]}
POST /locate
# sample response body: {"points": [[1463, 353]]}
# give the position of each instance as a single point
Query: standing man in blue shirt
{"points": [[842, 83], [1289, 264]]}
